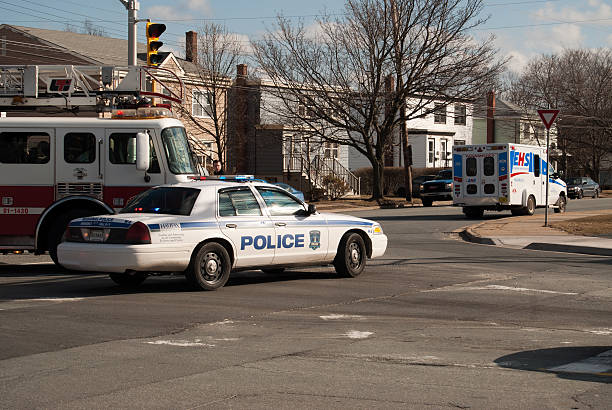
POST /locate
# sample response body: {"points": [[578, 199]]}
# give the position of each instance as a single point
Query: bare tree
{"points": [[219, 51], [338, 72], [578, 82], [88, 27]]}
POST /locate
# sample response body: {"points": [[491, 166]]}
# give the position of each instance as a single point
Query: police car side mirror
{"points": [[312, 209], [142, 151]]}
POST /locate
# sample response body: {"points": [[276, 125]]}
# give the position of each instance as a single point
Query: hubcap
{"points": [[355, 255], [211, 267]]}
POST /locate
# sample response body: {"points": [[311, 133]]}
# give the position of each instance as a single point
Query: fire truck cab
{"points": [[55, 169]]}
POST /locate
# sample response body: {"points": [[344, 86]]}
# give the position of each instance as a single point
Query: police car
{"points": [[209, 228]]}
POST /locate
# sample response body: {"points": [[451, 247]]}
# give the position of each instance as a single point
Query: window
{"points": [[163, 200], [305, 109], [460, 116], [177, 150], [166, 91], [237, 202], [24, 147], [122, 150], [79, 148], [489, 166], [536, 165], [280, 203], [430, 151], [440, 114], [470, 167], [200, 106], [459, 142], [330, 149]]}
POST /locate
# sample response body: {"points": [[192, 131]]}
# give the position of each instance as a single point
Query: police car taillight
{"points": [[138, 234]]}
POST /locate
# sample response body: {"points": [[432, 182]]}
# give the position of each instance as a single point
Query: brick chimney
{"points": [[491, 117], [191, 46], [242, 71]]}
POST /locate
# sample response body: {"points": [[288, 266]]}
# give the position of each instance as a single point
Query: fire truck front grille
{"points": [[67, 189]]}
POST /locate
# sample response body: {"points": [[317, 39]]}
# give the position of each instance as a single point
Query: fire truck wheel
{"points": [[561, 205], [57, 229]]}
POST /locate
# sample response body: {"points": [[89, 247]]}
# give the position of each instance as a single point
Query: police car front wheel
{"points": [[210, 267], [351, 257]]}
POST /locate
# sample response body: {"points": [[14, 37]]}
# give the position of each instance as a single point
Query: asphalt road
{"points": [[435, 323]]}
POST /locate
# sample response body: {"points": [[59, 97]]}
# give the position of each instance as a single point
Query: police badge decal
{"points": [[315, 240]]}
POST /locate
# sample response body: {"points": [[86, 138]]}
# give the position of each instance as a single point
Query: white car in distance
{"points": [[209, 228]]}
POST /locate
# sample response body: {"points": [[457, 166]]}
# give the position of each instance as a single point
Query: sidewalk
{"points": [[528, 232]]}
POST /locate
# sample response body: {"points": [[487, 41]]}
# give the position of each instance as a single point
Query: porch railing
{"points": [[319, 167]]}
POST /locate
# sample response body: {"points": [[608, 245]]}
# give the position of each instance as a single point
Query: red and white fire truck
{"points": [[55, 169]]}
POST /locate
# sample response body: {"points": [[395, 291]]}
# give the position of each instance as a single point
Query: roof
{"points": [[68, 122], [98, 49], [503, 108]]}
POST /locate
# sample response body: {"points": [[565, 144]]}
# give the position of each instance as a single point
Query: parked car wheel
{"points": [[596, 194]]}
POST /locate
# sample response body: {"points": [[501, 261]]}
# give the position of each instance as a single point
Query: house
{"points": [[431, 137], [504, 122], [34, 46], [262, 142]]}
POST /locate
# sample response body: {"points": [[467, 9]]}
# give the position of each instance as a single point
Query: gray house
{"points": [[262, 143]]}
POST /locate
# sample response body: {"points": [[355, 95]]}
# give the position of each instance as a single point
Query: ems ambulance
{"points": [[504, 177], [210, 227]]}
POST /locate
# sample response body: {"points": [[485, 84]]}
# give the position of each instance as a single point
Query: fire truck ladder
{"points": [[68, 87]]}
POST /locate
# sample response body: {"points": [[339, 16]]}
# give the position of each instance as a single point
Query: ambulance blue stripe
{"points": [[552, 181]]}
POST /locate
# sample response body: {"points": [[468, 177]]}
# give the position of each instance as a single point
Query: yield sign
{"points": [[548, 117]]}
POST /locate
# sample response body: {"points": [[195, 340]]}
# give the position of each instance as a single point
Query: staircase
{"points": [[315, 170]]}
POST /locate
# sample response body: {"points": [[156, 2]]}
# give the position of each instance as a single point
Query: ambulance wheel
{"points": [[561, 205], [473, 212], [58, 228], [273, 271], [209, 268], [351, 257], [426, 202], [126, 280], [531, 206]]}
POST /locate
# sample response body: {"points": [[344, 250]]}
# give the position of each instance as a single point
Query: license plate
{"points": [[96, 235]]}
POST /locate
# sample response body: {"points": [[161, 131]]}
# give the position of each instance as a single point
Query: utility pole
{"points": [[132, 7]]}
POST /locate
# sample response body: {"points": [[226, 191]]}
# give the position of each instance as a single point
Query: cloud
{"points": [[593, 10], [182, 9]]}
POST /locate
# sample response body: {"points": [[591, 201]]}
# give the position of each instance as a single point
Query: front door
{"points": [[79, 168], [300, 238], [242, 221], [122, 180]]}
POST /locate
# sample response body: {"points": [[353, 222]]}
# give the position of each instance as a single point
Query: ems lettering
{"points": [[260, 242]]}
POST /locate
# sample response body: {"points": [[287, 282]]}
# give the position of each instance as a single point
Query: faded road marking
{"points": [[181, 343], [356, 334], [499, 287], [338, 317]]}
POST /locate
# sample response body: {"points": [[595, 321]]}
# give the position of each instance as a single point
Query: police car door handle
{"points": [[230, 225], [280, 224]]}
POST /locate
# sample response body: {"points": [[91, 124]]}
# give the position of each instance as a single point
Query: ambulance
{"points": [[507, 176]]}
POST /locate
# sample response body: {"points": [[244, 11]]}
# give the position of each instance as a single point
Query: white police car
{"points": [[207, 229]]}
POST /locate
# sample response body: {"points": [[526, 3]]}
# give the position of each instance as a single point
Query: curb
{"points": [[467, 234], [553, 247]]}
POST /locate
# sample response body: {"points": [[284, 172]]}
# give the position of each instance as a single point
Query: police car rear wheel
{"points": [[210, 268], [351, 257]]}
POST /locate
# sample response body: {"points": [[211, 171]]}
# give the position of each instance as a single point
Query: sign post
{"points": [[547, 117]]}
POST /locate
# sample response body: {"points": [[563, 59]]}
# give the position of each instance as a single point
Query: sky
{"points": [[523, 29]]}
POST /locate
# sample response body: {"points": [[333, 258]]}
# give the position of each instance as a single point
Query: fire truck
{"points": [[55, 169]]}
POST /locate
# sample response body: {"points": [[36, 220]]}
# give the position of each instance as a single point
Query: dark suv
{"points": [[438, 189], [582, 186]]}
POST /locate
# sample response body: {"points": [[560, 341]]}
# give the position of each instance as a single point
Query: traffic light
{"points": [[154, 30]]}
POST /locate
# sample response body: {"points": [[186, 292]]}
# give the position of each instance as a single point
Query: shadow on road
{"points": [[47, 281], [557, 360], [439, 217]]}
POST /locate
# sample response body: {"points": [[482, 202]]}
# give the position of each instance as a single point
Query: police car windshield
{"points": [[177, 150], [163, 200]]}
